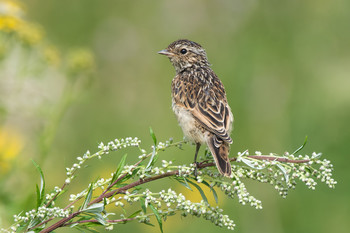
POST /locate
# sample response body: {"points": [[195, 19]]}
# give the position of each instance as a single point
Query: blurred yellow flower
{"points": [[80, 61], [52, 55], [11, 7], [30, 34], [10, 146], [9, 23]]}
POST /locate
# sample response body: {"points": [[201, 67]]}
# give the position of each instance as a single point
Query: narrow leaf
{"points": [[134, 214], [119, 169], [159, 219], [100, 219], [95, 208], [41, 190], [143, 206], [152, 159], [200, 190], [88, 197], [285, 173], [251, 164], [149, 224], [301, 147], [153, 136], [212, 190], [38, 196], [34, 222], [183, 181]]}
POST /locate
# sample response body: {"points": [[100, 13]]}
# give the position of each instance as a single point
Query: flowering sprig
{"points": [[123, 187]]}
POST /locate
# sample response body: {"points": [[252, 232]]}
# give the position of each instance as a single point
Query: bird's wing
{"points": [[207, 103]]}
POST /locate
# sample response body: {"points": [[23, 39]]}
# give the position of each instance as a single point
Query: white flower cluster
{"points": [[325, 173], [104, 149], [164, 145], [119, 144], [132, 197], [177, 202], [237, 188], [185, 171], [100, 183], [283, 175], [74, 197], [143, 155], [266, 171], [42, 213], [202, 209], [166, 164], [128, 169], [49, 196]]}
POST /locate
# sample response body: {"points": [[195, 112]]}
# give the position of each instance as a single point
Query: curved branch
{"points": [[63, 222], [279, 159], [133, 184], [258, 157]]}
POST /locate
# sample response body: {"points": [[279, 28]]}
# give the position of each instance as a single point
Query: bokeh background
{"points": [[285, 66]]}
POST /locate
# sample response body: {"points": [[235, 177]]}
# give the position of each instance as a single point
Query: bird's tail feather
{"points": [[220, 151]]}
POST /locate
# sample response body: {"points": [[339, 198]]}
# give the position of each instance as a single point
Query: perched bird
{"points": [[199, 102]]}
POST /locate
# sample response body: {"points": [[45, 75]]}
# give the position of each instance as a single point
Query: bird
{"points": [[199, 102]]}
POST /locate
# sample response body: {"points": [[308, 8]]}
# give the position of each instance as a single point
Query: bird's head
{"points": [[185, 54]]}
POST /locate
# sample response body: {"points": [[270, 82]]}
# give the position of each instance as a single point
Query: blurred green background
{"points": [[286, 69]]}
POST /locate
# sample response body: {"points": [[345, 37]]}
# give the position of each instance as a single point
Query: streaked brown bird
{"points": [[199, 102]]}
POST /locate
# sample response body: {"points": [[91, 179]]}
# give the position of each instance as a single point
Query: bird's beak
{"points": [[166, 53]]}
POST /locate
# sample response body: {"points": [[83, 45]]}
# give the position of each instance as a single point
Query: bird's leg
{"points": [[198, 145]]}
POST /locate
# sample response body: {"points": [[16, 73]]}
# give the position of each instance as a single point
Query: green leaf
{"points": [[183, 181], [153, 136], [143, 206], [149, 224], [35, 222], [82, 218], [100, 219], [119, 169], [212, 190], [251, 164], [134, 172], [285, 173], [95, 208], [301, 147], [38, 196], [40, 191], [134, 214], [200, 190], [152, 160], [159, 219], [88, 197]]}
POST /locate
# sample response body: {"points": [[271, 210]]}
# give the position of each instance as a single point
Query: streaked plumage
{"points": [[199, 101]]}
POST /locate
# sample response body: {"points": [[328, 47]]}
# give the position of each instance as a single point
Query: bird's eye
{"points": [[183, 51]]}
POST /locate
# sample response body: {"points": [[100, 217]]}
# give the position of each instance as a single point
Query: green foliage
{"points": [[40, 192], [281, 81], [123, 188]]}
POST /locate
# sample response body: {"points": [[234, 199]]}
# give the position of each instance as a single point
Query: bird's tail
{"points": [[220, 151]]}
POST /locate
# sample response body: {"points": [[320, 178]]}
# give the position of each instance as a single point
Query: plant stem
{"points": [[106, 194]]}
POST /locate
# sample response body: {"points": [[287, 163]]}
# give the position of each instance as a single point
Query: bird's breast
{"points": [[192, 130]]}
